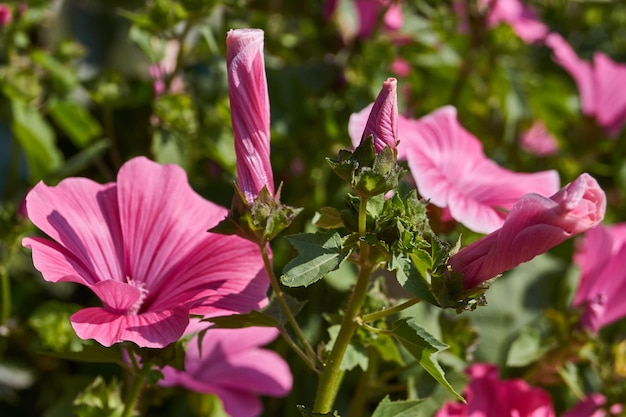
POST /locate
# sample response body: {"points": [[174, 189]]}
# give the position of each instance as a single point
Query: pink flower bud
{"points": [[534, 225], [383, 119], [250, 110]]}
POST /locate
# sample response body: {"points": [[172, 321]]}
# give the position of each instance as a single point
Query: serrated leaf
{"points": [[75, 120], [411, 280], [306, 412], [318, 254], [424, 347], [388, 408]]}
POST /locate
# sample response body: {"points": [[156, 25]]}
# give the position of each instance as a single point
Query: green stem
{"points": [[135, 389], [390, 311], [6, 296], [359, 401], [309, 352], [329, 381]]}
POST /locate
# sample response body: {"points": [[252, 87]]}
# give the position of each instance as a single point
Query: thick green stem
{"points": [[329, 381], [390, 311], [135, 389], [309, 354]]}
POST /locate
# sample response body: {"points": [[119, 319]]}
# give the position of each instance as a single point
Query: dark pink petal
{"points": [[451, 170], [534, 225], [250, 110], [95, 242], [580, 70], [382, 122], [150, 329], [589, 407]]}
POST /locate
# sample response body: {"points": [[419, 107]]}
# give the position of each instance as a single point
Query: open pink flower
{"points": [[451, 170], [232, 366], [601, 258], [382, 122], [534, 225], [141, 246], [489, 396], [250, 110], [538, 140], [601, 85]]}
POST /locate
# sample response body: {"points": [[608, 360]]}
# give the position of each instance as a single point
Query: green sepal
{"points": [[260, 222]]}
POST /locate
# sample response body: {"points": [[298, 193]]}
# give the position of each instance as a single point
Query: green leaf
{"points": [[306, 412], [100, 400], [64, 74], [318, 254], [424, 347], [410, 279], [526, 349], [37, 140], [82, 159], [238, 321], [75, 121], [388, 408], [328, 218]]}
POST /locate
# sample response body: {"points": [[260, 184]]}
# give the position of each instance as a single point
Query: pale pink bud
{"points": [[382, 123], [534, 225], [250, 110]]}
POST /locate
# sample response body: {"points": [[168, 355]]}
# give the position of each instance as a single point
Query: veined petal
{"points": [[150, 329], [95, 242], [56, 263], [382, 122], [163, 219]]}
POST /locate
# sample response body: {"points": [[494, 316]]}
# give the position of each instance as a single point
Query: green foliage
{"points": [[100, 399], [388, 408]]}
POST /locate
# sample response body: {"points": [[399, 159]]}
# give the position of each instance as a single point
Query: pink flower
{"points": [[451, 170], [489, 396], [382, 122], [601, 85], [159, 72], [401, 67], [368, 12], [534, 225], [538, 140], [6, 14], [522, 19], [141, 246], [250, 110], [592, 406], [602, 286], [232, 366]]}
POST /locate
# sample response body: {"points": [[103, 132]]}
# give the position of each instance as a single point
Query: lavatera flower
{"points": [[534, 225], [140, 244]]}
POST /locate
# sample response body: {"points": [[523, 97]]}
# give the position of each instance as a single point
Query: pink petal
{"points": [[610, 108], [250, 110], [382, 122], [150, 329], [95, 242], [534, 225], [522, 19], [56, 263], [451, 170], [580, 71]]}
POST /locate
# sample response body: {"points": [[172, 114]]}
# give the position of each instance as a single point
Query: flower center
{"points": [[134, 309]]}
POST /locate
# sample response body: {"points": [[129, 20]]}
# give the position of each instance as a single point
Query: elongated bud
{"points": [[382, 123], [250, 110]]}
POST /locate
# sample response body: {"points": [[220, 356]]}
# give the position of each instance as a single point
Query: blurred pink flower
{"points": [[538, 140], [489, 396], [592, 406], [141, 246], [451, 170], [369, 12], [601, 258], [522, 18], [232, 366], [601, 85], [250, 110], [6, 14], [534, 225], [401, 67], [160, 71], [382, 122]]}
